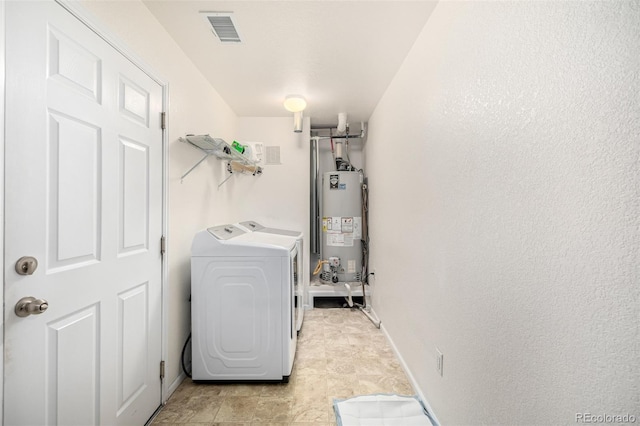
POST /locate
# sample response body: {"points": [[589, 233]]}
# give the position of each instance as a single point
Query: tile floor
{"points": [[340, 354]]}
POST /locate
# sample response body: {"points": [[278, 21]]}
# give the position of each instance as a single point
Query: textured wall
{"points": [[505, 210]]}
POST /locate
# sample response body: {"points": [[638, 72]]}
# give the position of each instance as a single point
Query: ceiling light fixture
{"points": [[296, 104]]}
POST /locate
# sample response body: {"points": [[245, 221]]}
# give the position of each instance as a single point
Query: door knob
{"points": [[31, 306], [26, 265]]}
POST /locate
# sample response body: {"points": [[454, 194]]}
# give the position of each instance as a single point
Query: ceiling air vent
{"points": [[223, 26]]}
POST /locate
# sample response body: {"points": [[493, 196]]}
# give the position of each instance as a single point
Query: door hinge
{"points": [[163, 120], [161, 370], [163, 245]]}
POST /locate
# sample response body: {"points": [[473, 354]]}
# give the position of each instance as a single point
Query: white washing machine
{"points": [[242, 305], [301, 290]]}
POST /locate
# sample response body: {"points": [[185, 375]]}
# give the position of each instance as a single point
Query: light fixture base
{"points": [[297, 122]]}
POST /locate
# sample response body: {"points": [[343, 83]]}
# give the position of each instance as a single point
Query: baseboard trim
{"points": [[412, 380], [173, 386]]}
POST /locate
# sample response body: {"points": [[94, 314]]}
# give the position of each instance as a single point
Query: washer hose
{"points": [[184, 349]]}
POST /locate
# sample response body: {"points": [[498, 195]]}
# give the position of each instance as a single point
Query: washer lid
{"points": [[251, 225], [230, 241], [284, 232], [225, 232], [262, 239]]}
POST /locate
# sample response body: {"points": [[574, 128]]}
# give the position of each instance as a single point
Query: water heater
{"points": [[342, 226]]}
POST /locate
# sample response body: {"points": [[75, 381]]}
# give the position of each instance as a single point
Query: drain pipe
{"points": [[376, 322], [366, 310], [348, 298]]}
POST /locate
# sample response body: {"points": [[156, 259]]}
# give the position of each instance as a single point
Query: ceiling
{"points": [[340, 55]]}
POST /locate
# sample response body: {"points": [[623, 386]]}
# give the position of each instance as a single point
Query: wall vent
{"points": [[223, 26], [273, 155]]}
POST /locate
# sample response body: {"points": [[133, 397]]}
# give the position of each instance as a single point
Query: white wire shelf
{"points": [[221, 149]]}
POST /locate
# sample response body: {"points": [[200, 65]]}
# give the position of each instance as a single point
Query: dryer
{"points": [[301, 290], [242, 305]]}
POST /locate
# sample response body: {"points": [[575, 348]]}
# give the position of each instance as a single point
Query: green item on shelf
{"points": [[238, 147]]}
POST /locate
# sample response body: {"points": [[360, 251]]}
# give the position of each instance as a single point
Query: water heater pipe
{"points": [[342, 122], [338, 149]]}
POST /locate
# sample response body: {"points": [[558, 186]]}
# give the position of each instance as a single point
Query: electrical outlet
{"points": [[439, 361]]}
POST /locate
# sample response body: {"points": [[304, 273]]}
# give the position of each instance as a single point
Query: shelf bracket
{"points": [[228, 177], [195, 165]]}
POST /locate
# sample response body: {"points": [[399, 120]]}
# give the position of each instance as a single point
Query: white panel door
{"points": [[83, 197]]}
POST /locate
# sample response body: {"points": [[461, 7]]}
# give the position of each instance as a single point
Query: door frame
{"points": [[114, 41], [2, 97]]}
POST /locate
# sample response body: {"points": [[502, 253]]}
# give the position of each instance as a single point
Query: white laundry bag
{"points": [[381, 409]]}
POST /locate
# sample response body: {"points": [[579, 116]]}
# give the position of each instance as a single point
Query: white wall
{"points": [[503, 163], [279, 198], [195, 107]]}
